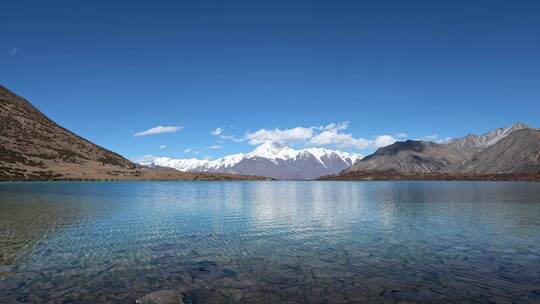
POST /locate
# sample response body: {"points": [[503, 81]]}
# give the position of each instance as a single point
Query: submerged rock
{"points": [[193, 296], [229, 273], [161, 297], [204, 296]]}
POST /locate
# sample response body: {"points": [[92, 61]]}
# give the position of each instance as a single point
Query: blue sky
{"points": [[109, 70]]}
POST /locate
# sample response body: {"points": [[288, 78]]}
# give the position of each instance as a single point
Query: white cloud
{"points": [[231, 138], [331, 135], [336, 126], [383, 141], [13, 51], [402, 135], [434, 138], [217, 131], [188, 150], [214, 147], [287, 136], [162, 146], [159, 130], [145, 159]]}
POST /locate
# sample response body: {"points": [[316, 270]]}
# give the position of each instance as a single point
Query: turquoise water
{"points": [[271, 242]]}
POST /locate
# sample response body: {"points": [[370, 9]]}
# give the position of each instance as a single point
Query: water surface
{"points": [[257, 242]]}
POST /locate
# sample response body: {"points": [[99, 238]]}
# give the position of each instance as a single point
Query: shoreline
{"points": [[337, 178], [397, 176]]}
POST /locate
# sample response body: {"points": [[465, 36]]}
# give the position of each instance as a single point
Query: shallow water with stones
{"points": [[270, 242]]}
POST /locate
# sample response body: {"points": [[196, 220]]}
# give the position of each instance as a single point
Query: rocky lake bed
{"points": [[270, 242]]}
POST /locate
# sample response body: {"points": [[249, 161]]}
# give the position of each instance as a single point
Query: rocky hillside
{"points": [[511, 153], [33, 147], [472, 143], [411, 156], [518, 152]]}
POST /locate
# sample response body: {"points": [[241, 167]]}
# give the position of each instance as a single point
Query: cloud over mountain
{"points": [[294, 135], [331, 134], [159, 130], [217, 131]]}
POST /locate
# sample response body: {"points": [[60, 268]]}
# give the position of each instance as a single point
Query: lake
{"points": [[270, 242]]}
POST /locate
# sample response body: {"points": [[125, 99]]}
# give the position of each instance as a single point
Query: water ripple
{"points": [[270, 242]]}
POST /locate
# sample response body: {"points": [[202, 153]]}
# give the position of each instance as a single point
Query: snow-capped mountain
{"points": [[270, 160], [472, 143]]}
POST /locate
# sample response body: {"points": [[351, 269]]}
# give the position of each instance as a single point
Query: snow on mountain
{"points": [[271, 160], [472, 143]]}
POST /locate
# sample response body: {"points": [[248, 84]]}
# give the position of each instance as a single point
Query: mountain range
{"points": [[518, 152], [472, 144], [271, 160], [505, 153], [33, 147]]}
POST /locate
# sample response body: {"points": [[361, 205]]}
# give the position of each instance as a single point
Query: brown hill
{"points": [[514, 155], [472, 143], [519, 152], [410, 156], [33, 147]]}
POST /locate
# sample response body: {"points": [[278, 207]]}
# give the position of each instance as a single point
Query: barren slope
{"points": [[518, 152], [33, 147], [410, 157]]}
